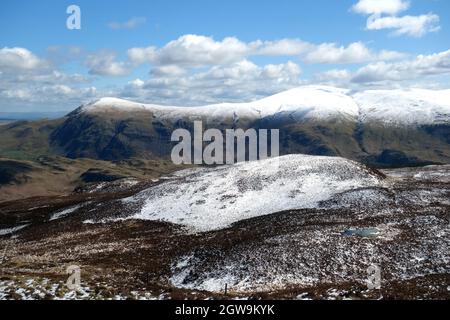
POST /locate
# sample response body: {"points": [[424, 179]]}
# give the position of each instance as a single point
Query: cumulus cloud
{"points": [[48, 96], [136, 83], [141, 55], [168, 82], [29, 81], [370, 7], [415, 26], [196, 50], [422, 70], [168, 71], [286, 72], [130, 24], [247, 70], [283, 47], [422, 65], [19, 59], [242, 80], [209, 76], [104, 63], [357, 52], [333, 76], [193, 51], [383, 14]]}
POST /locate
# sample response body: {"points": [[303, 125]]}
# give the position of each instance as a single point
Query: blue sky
{"points": [[199, 52]]}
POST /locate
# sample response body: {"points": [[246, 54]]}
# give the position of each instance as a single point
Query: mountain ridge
{"points": [[312, 102], [385, 128]]}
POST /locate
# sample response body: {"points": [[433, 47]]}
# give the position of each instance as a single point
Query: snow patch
{"points": [[12, 230], [65, 212]]}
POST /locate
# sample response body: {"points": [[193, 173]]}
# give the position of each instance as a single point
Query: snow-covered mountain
{"points": [[413, 106], [378, 127]]}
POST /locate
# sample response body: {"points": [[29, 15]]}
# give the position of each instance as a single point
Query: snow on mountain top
{"points": [[214, 198], [311, 101], [318, 101], [117, 103], [414, 106]]}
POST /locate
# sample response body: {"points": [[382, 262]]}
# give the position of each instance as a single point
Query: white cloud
{"points": [[19, 59], [137, 83], [104, 63], [28, 81], [209, 76], [357, 52], [283, 47], [130, 24], [192, 51], [286, 72], [17, 94], [242, 80], [415, 26], [246, 70], [168, 71], [237, 71], [196, 51], [422, 71], [331, 53], [50, 95], [385, 55], [421, 66], [333, 76], [370, 7], [383, 15], [142, 55]]}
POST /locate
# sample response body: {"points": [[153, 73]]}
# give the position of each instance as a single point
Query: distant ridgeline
{"points": [[382, 128], [27, 116]]}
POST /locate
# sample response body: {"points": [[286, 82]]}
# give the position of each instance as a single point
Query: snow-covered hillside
{"points": [[414, 106], [214, 198]]}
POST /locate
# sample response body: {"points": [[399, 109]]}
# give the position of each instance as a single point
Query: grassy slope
{"points": [[334, 138], [429, 143], [60, 176], [27, 140]]}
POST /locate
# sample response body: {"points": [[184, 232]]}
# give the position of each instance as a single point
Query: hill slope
{"points": [[213, 198]]}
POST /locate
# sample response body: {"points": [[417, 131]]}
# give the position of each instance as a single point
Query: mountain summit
{"points": [[413, 106]]}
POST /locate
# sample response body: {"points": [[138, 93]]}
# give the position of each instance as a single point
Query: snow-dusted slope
{"points": [[414, 106], [214, 198]]}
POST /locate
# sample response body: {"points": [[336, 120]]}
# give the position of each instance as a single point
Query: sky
{"points": [[197, 52]]}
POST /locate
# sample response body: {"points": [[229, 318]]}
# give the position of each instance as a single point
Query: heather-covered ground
{"points": [[400, 224]]}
